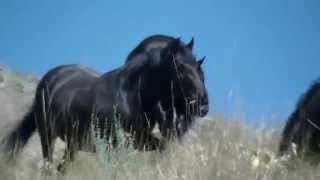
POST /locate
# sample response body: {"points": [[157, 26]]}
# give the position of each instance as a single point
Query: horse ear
{"points": [[190, 44], [200, 62]]}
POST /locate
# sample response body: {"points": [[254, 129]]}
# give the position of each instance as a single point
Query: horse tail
{"points": [[19, 136]]}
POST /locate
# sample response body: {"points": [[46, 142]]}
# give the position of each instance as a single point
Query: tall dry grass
{"points": [[215, 148]]}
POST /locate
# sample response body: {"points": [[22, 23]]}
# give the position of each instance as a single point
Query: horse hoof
{"points": [[47, 168], [62, 168]]}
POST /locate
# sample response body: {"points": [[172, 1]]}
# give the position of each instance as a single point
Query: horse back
{"points": [[66, 85]]}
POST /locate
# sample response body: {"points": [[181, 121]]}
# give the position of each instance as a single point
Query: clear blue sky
{"points": [[261, 54]]}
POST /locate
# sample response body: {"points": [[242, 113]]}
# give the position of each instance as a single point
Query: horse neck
{"points": [[158, 87], [145, 77]]}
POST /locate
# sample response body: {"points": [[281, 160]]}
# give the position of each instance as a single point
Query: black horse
{"points": [[301, 135], [163, 86]]}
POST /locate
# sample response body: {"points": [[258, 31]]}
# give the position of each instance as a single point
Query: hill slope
{"points": [[214, 149]]}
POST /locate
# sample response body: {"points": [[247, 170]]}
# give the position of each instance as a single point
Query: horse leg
{"points": [[167, 129], [46, 138], [85, 139], [47, 146], [154, 143], [72, 145], [67, 157], [105, 127], [72, 140], [145, 141]]}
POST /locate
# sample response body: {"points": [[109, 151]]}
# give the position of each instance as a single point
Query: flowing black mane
{"points": [[312, 91]]}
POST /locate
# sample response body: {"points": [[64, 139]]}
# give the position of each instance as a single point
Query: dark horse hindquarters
{"points": [[301, 135], [62, 102]]}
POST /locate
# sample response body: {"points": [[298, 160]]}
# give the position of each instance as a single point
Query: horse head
{"points": [[185, 77], [172, 82], [188, 78]]}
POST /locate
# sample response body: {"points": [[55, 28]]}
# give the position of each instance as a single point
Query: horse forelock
{"points": [[309, 100], [192, 84], [193, 75], [190, 74]]}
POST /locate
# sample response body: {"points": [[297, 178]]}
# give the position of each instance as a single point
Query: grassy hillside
{"points": [[215, 148]]}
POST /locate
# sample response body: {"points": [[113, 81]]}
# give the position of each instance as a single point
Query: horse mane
{"points": [[304, 100], [138, 60], [146, 42], [309, 93]]}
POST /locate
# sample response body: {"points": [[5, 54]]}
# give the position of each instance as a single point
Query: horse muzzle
{"points": [[204, 109], [200, 109]]}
